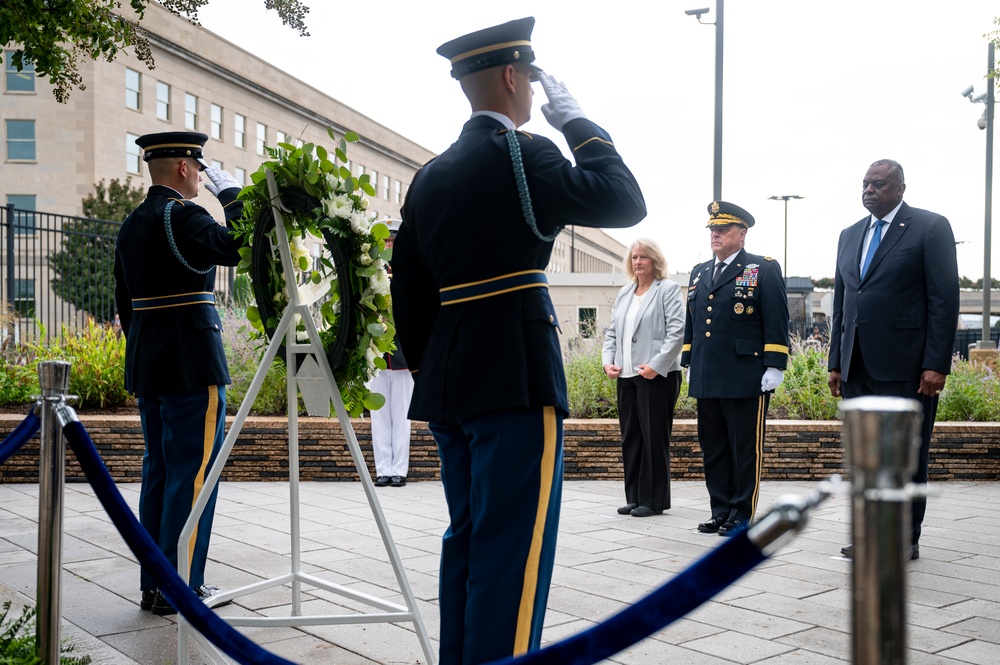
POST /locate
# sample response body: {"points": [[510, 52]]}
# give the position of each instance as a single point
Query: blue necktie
{"points": [[872, 246]]}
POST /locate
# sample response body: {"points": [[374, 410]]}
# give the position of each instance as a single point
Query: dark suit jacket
{"points": [[735, 329], [463, 222], [905, 311], [173, 349]]}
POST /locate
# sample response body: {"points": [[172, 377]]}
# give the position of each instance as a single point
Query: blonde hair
{"points": [[650, 249]]}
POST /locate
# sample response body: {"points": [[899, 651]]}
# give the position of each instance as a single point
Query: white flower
{"points": [[371, 353], [359, 224], [339, 206], [365, 259], [380, 283], [362, 203], [365, 247]]}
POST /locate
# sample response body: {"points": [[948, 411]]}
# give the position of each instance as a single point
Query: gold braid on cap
{"points": [[724, 219]]}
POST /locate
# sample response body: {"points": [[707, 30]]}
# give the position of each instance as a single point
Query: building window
{"points": [[240, 130], [21, 140], [18, 81], [385, 187], [587, 317], [216, 122], [24, 297], [240, 175], [162, 101], [133, 155], [261, 137], [24, 212], [398, 190], [280, 137], [373, 180], [133, 96], [216, 164], [190, 112]]}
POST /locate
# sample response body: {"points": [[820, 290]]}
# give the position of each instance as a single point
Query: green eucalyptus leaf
{"points": [[374, 401]]}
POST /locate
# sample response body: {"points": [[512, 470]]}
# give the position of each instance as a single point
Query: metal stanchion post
{"points": [[53, 377], [882, 441]]}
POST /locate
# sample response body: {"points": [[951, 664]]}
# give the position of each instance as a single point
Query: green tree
{"points": [[55, 35], [823, 283], [84, 265]]}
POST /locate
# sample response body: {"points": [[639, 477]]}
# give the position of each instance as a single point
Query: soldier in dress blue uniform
{"points": [[736, 346], [165, 262], [473, 312]]}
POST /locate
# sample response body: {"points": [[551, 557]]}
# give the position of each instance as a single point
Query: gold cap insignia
{"points": [[715, 207]]}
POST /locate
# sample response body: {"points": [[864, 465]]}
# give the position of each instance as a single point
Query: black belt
{"points": [[515, 281], [176, 300]]}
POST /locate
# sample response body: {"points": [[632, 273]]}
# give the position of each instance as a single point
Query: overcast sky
{"points": [[813, 93]]}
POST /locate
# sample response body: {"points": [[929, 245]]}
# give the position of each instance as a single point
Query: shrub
{"points": [[972, 392], [805, 393], [97, 353], [17, 640], [591, 393], [244, 353]]}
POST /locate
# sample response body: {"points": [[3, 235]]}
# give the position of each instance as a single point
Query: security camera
{"points": [[979, 98], [696, 12], [981, 123], [967, 92]]}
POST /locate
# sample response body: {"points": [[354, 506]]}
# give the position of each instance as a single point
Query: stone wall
{"points": [[794, 450]]}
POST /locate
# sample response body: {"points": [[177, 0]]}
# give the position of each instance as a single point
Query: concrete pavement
{"points": [[794, 608]]}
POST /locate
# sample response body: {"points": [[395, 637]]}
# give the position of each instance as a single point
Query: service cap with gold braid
{"points": [[723, 213], [490, 47], [173, 144]]}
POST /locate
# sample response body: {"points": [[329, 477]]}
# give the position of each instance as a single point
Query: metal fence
{"points": [[58, 270]]}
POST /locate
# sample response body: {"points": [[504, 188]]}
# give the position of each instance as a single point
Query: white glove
{"points": [[772, 379], [219, 180], [561, 107]]}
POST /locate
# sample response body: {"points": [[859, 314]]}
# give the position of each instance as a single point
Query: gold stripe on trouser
{"points": [[758, 445], [525, 613], [207, 444]]}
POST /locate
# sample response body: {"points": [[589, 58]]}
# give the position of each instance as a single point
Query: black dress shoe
{"points": [[162, 607], [382, 481], [645, 511], [914, 551], [397, 481], [147, 600], [847, 551], [627, 508], [731, 526], [712, 525]]}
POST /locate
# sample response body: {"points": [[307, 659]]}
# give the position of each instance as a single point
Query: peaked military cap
{"points": [[173, 144], [723, 213], [490, 47]]}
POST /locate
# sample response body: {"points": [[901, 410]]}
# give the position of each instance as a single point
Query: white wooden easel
{"points": [[285, 330]]}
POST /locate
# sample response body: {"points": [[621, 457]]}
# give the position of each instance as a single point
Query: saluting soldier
{"points": [[175, 364], [473, 312], [736, 345]]}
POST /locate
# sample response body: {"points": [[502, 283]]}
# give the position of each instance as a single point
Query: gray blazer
{"points": [[659, 329]]}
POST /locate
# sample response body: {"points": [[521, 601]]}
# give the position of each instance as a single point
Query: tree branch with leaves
{"points": [[54, 35]]}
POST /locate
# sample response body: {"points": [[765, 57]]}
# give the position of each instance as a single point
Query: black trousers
{"points": [[731, 434], [861, 384], [646, 418]]}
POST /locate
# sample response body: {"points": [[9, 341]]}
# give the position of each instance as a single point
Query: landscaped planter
{"points": [[794, 450]]}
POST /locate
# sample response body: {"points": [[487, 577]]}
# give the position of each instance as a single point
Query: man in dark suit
{"points": [[736, 344], [165, 262], [895, 308], [473, 312]]}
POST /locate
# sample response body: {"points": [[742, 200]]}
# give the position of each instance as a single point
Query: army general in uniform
{"points": [[165, 262], [473, 312], [736, 345]]}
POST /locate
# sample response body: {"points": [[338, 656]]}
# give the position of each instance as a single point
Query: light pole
{"points": [[786, 198], [986, 122], [717, 168]]}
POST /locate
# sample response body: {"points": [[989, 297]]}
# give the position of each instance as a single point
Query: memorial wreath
{"points": [[339, 255]]}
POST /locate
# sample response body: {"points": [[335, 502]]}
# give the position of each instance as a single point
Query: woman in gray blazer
{"points": [[641, 351]]}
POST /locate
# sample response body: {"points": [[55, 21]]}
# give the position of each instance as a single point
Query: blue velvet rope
{"points": [[203, 619], [699, 582], [28, 428]]}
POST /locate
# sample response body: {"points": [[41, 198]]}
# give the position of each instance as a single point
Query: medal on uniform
{"points": [[750, 309], [738, 308]]}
